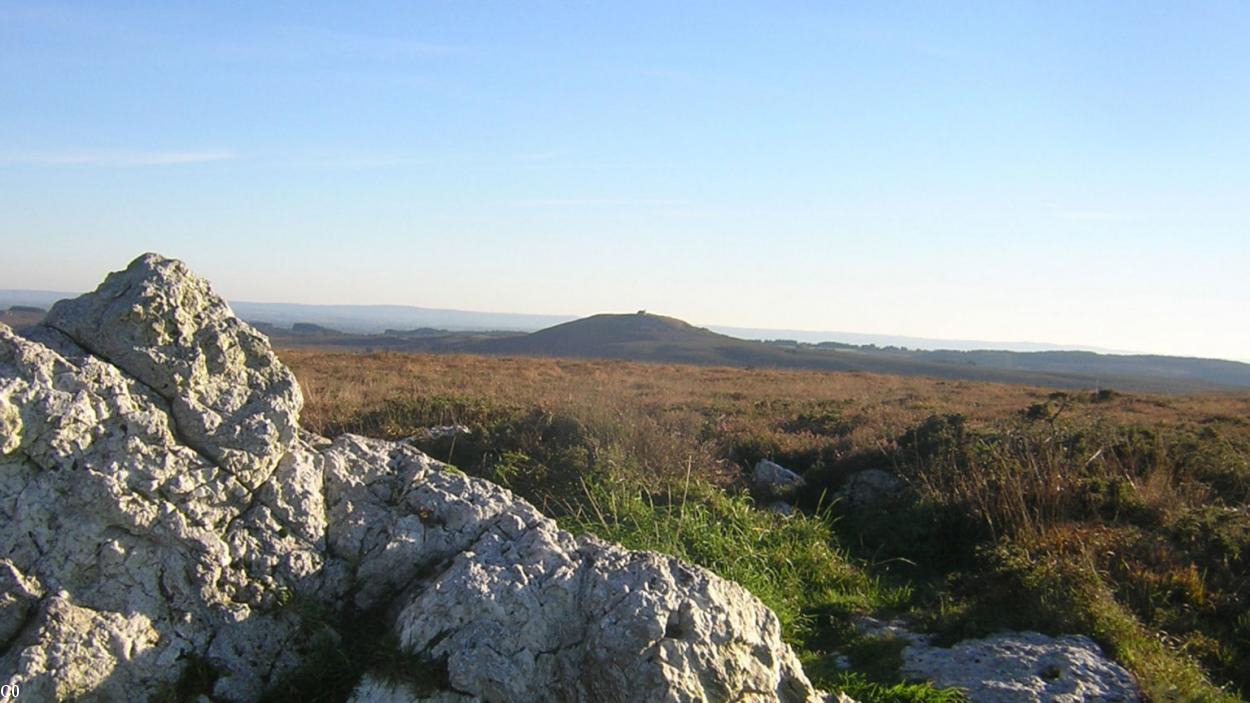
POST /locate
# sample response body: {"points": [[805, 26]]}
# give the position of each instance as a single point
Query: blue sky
{"points": [[1068, 172]]}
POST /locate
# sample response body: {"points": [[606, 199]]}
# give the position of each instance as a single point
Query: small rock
{"points": [[771, 482], [869, 488], [780, 507], [1024, 666], [895, 629], [1011, 667], [430, 434]]}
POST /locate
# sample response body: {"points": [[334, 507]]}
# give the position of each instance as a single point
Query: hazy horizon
{"points": [[248, 310], [1078, 175]]}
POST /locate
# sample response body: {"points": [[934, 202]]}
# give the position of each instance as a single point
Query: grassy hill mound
{"points": [[639, 336]]}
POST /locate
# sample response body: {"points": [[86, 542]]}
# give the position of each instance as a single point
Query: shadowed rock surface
{"points": [[772, 482], [159, 506], [871, 488]]}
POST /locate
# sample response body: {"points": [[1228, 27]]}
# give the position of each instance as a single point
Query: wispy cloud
{"points": [[60, 16], [894, 39], [112, 157], [651, 207], [664, 73], [1090, 215], [378, 46], [353, 160], [539, 156], [591, 202], [294, 44]]}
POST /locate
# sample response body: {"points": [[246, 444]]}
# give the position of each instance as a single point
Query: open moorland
{"points": [[652, 338], [1120, 516], [655, 338]]}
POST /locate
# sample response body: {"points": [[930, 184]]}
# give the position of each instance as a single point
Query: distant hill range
{"points": [[647, 337], [656, 338], [19, 316], [356, 319], [376, 319]]}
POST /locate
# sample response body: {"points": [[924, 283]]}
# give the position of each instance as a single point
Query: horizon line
{"points": [[563, 318]]}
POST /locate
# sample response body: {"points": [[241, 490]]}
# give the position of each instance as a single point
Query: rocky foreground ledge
{"points": [[160, 508]]}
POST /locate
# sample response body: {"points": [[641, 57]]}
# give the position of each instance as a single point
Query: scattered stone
{"points": [[781, 508], [869, 489], [894, 629], [1011, 667], [160, 507], [1024, 666], [771, 482], [440, 432]]}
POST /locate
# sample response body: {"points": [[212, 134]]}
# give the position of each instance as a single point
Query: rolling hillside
{"points": [[20, 316], [657, 338], [648, 337]]}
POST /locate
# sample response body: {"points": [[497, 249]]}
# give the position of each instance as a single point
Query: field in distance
{"points": [[649, 337], [656, 338]]}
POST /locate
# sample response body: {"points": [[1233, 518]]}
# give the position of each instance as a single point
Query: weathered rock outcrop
{"points": [[160, 509], [231, 397]]}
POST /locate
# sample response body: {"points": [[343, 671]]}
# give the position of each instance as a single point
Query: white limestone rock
{"points": [[1024, 666], [103, 508], [231, 397], [1011, 667], [19, 596], [159, 506], [85, 653], [530, 613], [374, 689]]}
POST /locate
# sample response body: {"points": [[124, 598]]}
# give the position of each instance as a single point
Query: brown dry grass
{"points": [[337, 384], [1145, 495], [711, 407]]}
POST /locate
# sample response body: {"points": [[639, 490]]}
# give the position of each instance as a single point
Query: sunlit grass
{"points": [[1121, 517]]}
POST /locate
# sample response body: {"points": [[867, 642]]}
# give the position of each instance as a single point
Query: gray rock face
{"points": [[771, 482], [1013, 667], [158, 506], [780, 507], [1024, 666], [231, 398], [870, 488], [439, 432]]}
